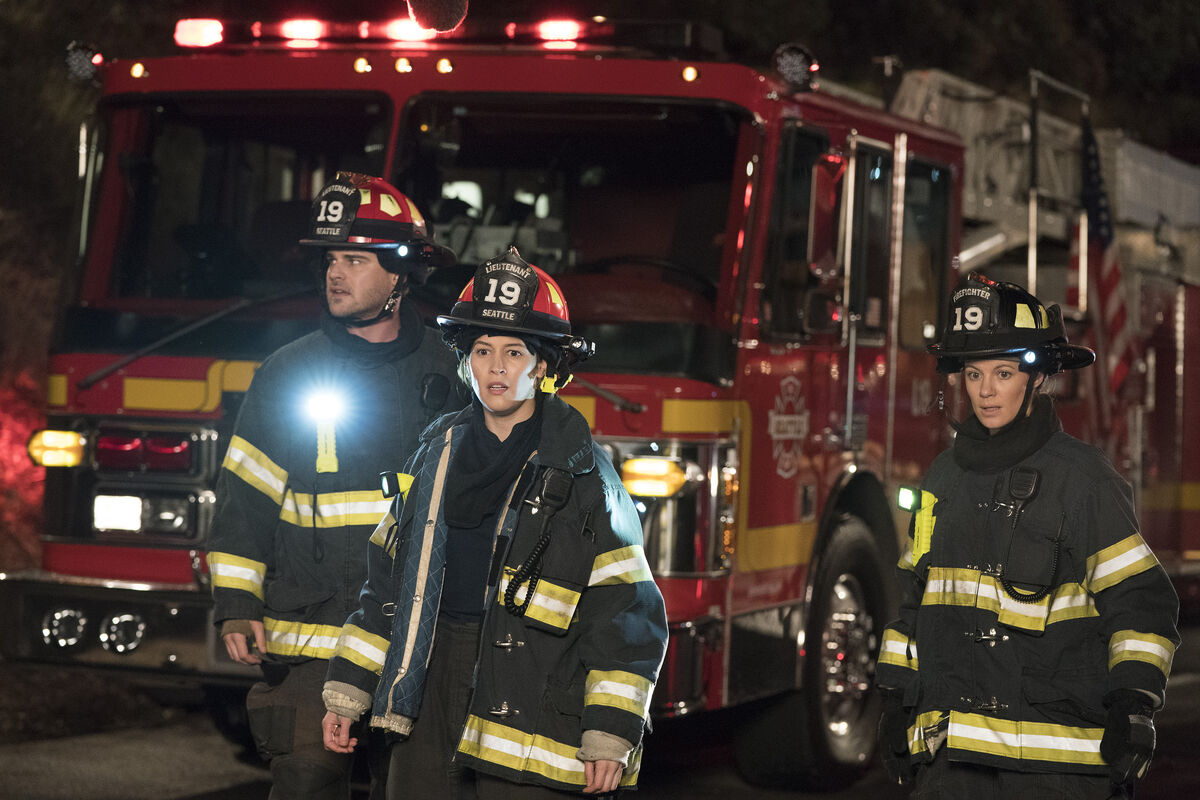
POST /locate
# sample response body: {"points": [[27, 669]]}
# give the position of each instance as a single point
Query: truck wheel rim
{"points": [[847, 670]]}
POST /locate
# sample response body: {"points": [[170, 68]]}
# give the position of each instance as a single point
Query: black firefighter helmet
{"points": [[991, 319]]}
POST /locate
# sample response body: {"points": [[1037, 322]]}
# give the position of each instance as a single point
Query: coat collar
{"points": [[565, 443]]}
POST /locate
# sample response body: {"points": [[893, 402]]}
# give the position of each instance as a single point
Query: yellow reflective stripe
{"points": [[1136, 646], [362, 648], [618, 689], [326, 447], [623, 565], [1032, 741], [286, 638], [1117, 562], [525, 752], [234, 572], [379, 535], [251, 465], [906, 561], [552, 604], [334, 509], [923, 524], [948, 586], [1071, 601], [898, 650], [404, 482], [968, 588], [916, 733]]}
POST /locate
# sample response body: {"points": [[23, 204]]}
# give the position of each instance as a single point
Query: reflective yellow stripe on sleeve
{"points": [[1136, 646], [286, 638], [252, 466], [618, 689], [623, 565], [234, 572], [360, 647], [1117, 562], [898, 650]]}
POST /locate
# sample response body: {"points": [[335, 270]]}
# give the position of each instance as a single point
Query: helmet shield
{"points": [[512, 296], [509, 296], [990, 319], [358, 211]]}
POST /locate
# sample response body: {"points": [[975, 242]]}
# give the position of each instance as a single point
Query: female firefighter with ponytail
{"points": [[510, 632], [1037, 628]]}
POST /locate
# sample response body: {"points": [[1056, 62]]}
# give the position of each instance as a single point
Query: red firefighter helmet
{"points": [[361, 212], [511, 296]]}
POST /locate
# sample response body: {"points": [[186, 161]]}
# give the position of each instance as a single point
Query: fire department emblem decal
{"points": [[787, 425]]}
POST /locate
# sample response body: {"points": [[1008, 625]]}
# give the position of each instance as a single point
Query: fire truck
{"points": [[1024, 221], [760, 260]]}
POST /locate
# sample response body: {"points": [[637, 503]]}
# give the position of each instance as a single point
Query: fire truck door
{"points": [[865, 257]]}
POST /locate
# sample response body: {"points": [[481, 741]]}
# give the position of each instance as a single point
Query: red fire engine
{"points": [[760, 264]]}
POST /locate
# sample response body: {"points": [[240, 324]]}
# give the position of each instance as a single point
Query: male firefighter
{"points": [[1037, 629], [299, 491]]}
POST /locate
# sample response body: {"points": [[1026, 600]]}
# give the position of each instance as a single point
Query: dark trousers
{"points": [[423, 765], [944, 779], [285, 711]]}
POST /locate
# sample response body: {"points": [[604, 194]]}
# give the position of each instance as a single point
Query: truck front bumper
{"points": [[144, 630]]}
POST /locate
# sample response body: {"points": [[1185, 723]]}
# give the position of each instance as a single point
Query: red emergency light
{"points": [[199, 32], [559, 29], [303, 29], [408, 30], [299, 32]]}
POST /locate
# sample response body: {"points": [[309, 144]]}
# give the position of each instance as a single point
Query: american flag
{"points": [[1104, 270]]}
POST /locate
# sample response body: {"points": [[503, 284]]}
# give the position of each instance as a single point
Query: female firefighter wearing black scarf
{"points": [[1037, 628], [510, 632]]}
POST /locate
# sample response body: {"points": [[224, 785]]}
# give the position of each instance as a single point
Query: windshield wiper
{"points": [[620, 403], [245, 302]]}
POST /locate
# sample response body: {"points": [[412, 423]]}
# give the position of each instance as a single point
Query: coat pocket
{"points": [[1066, 697], [562, 575]]}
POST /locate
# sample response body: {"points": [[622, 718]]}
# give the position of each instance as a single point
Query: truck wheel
{"points": [[822, 735]]}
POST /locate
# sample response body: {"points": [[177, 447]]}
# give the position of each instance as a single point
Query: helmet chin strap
{"points": [[388, 309]]}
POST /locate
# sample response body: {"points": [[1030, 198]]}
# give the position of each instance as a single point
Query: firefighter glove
{"points": [[893, 738], [1128, 742]]}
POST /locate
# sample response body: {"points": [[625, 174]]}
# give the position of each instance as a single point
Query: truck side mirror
{"points": [[822, 312]]}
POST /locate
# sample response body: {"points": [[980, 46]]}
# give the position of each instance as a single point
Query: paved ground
{"points": [[64, 736]]}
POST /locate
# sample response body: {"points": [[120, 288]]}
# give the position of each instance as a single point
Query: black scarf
{"points": [[977, 450], [374, 353], [484, 467]]}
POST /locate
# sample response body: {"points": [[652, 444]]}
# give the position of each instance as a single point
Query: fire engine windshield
{"points": [[625, 202], [206, 196]]}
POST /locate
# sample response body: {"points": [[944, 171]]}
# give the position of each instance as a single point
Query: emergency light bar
{"points": [[651, 36], [297, 32]]}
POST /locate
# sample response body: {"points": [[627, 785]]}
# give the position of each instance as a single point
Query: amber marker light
{"points": [[56, 448], [652, 477], [690, 74]]}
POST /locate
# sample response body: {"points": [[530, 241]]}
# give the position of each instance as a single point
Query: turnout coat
{"points": [[296, 503], [1029, 596], [585, 654]]}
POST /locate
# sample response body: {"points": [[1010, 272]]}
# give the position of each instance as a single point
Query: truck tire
{"points": [[822, 736]]}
